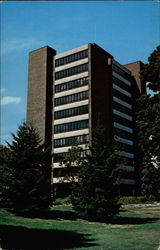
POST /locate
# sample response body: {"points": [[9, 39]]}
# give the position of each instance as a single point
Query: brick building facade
{"points": [[70, 93]]}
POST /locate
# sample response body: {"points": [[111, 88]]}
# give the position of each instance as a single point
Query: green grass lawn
{"points": [[133, 229]]}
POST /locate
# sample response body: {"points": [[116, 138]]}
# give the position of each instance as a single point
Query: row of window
{"points": [[71, 126], [127, 154], [126, 167], [71, 58], [120, 71], [71, 98], [125, 148], [71, 84], [71, 71], [124, 122], [127, 181], [122, 133], [121, 96], [122, 127], [60, 172], [71, 112], [69, 141], [60, 156], [121, 84], [123, 140], [123, 103], [128, 94], [121, 78], [122, 109], [123, 115]]}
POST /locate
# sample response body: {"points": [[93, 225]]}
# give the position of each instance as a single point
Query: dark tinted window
{"points": [[69, 141], [71, 58], [71, 71], [71, 84], [71, 126], [71, 98], [71, 112]]}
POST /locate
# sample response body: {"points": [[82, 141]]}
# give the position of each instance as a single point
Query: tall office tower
{"points": [[71, 93]]}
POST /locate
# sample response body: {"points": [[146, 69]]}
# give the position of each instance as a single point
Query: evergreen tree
{"points": [[26, 173], [96, 194], [70, 163], [4, 170]]}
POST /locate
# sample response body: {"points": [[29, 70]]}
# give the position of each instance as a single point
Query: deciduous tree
{"points": [[150, 73], [148, 124]]}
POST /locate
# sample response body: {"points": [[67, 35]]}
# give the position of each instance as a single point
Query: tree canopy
{"points": [[150, 73], [148, 124]]}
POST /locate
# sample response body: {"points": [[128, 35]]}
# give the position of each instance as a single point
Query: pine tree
{"points": [[27, 173], [96, 194], [70, 163], [4, 170]]}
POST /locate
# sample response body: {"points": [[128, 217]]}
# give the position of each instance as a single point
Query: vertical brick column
{"points": [[40, 91]]}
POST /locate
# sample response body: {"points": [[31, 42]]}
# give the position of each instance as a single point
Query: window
{"points": [[122, 108], [71, 71], [71, 98], [68, 141], [71, 84], [71, 126], [126, 167], [122, 90], [59, 156], [125, 128], [127, 181], [120, 120], [119, 70], [71, 58], [125, 104], [117, 112], [121, 78], [127, 154], [123, 140], [71, 112]]}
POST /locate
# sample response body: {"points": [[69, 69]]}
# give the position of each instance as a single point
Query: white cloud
{"points": [[20, 44], [10, 100]]}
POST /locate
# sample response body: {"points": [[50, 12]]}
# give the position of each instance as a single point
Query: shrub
{"points": [[125, 200], [62, 201]]}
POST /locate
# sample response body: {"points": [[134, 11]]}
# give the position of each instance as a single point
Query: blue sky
{"points": [[129, 30]]}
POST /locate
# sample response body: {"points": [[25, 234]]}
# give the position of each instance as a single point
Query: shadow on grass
{"points": [[52, 214], [60, 214], [14, 237], [131, 220], [72, 215]]}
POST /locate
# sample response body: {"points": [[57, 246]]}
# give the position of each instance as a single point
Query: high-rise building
{"points": [[71, 93]]}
